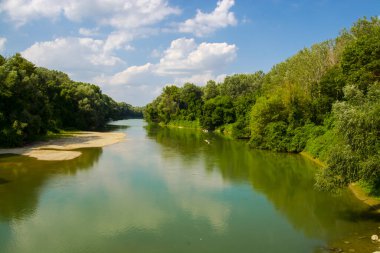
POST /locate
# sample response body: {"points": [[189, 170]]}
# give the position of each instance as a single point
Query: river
{"points": [[170, 190]]}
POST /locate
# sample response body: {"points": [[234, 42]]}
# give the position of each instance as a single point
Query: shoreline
{"points": [[358, 192], [311, 158], [354, 187], [372, 202], [65, 148]]}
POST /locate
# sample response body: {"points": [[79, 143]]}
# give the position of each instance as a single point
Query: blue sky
{"points": [[133, 48]]}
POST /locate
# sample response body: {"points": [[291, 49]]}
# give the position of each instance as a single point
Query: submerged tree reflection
{"points": [[22, 180]]}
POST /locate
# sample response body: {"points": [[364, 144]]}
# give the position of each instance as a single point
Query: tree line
{"points": [[324, 100], [35, 100]]}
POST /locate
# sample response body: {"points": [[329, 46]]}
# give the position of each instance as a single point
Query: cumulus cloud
{"points": [[93, 60], [185, 57], [136, 75], [205, 23], [77, 56], [89, 32], [2, 44], [139, 13], [116, 13], [184, 61], [117, 40], [200, 79], [21, 11]]}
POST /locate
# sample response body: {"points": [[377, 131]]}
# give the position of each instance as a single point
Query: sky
{"points": [[134, 48]]}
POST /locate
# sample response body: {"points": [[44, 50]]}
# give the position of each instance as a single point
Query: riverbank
{"points": [[374, 203], [66, 148], [315, 160], [359, 193]]}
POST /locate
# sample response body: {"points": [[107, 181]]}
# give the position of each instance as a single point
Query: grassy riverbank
{"points": [[357, 188]]}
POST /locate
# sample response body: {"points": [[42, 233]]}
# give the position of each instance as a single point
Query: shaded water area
{"points": [[168, 190]]}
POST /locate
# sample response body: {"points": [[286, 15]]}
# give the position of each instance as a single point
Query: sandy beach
{"points": [[66, 148]]}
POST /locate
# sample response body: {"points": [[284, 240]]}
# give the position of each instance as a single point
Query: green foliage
{"points": [[325, 99], [210, 90], [184, 124], [357, 125], [213, 105], [36, 100], [216, 112], [322, 140], [361, 59], [241, 84], [190, 102]]}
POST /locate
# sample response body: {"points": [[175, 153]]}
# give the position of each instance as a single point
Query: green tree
{"points": [[217, 112], [357, 125], [210, 90], [35, 100], [241, 84], [361, 59], [190, 101]]}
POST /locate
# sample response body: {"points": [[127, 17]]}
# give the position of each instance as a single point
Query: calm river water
{"points": [[168, 190]]}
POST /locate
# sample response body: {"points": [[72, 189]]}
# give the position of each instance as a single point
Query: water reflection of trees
{"points": [[23, 178], [286, 180]]}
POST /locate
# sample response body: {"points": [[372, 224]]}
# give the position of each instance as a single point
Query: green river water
{"points": [[168, 190]]}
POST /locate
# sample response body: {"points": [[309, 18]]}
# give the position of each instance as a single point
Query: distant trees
{"points": [[36, 100], [213, 105], [325, 99]]}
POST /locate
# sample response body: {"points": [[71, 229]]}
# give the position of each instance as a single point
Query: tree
{"points": [[361, 59], [190, 101], [216, 112], [210, 90], [241, 84], [36, 100], [356, 156]]}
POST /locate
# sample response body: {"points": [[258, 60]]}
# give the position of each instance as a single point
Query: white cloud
{"points": [[200, 79], [184, 61], [21, 11], [2, 44], [117, 40], [136, 75], [78, 56], [89, 32], [137, 13], [93, 60], [136, 95], [155, 53], [116, 13], [205, 23], [184, 57]]}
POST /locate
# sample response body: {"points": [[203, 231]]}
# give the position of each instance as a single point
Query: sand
{"points": [[66, 148], [361, 195]]}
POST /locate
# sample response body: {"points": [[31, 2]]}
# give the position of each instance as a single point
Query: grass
{"points": [[368, 190], [56, 135], [184, 124]]}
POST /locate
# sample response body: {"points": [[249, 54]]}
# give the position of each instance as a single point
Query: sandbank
{"points": [[65, 148]]}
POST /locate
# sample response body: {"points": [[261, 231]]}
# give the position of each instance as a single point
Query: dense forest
{"points": [[36, 100], [324, 100]]}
